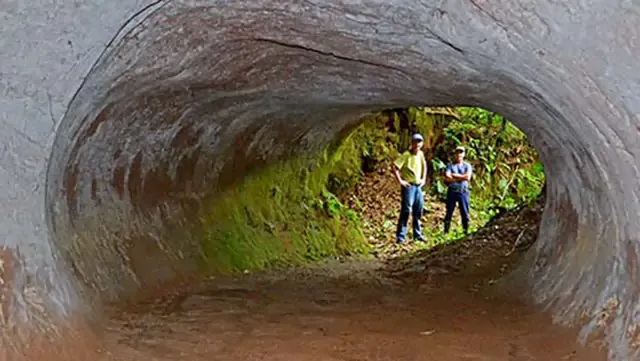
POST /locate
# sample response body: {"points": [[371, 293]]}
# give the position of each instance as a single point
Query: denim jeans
{"points": [[462, 199], [412, 204]]}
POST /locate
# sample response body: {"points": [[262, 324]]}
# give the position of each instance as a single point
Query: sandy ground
{"points": [[339, 311]]}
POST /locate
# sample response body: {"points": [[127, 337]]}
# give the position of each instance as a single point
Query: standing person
{"points": [[410, 170], [457, 177]]}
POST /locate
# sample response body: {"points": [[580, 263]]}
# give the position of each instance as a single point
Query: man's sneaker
{"points": [[400, 241]]}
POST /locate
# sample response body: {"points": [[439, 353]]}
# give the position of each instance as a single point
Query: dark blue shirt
{"points": [[459, 169]]}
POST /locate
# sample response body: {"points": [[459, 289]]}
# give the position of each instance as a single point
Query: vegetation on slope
{"points": [[279, 216]]}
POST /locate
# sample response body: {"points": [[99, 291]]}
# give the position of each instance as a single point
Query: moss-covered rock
{"points": [[282, 215]]}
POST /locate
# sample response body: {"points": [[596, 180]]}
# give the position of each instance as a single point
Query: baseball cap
{"points": [[417, 137], [459, 149]]}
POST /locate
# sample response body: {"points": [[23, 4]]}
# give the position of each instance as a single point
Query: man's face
{"points": [[416, 145], [459, 156]]}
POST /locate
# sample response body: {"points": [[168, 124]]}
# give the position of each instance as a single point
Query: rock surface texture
{"points": [[118, 118]]}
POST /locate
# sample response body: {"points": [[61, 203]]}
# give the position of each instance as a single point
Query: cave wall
{"points": [[119, 119]]}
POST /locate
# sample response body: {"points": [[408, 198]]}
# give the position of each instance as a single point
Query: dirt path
{"points": [[341, 311], [420, 304]]}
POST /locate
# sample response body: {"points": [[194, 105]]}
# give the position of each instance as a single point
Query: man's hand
{"points": [[422, 183], [404, 183]]}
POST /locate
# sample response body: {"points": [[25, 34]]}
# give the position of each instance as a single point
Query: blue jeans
{"points": [[462, 199], [412, 204]]}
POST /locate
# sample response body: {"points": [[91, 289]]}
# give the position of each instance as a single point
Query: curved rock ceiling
{"points": [[192, 95]]}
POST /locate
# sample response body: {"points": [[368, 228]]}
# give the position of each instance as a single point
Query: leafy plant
{"points": [[506, 169]]}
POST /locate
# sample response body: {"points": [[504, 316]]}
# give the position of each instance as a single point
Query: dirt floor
{"points": [[418, 304], [409, 304], [340, 311]]}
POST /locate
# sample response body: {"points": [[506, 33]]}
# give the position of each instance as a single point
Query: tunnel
{"points": [[120, 120]]}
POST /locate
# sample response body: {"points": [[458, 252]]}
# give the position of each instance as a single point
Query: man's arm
{"points": [[396, 172], [448, 176], [461, 177], [423, 178], [464, 177]]}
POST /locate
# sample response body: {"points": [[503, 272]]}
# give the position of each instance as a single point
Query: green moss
{"points": [[364, 149], [282, 215]]}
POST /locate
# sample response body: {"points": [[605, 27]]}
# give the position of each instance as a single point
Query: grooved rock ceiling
{"points": [[118, 118]]}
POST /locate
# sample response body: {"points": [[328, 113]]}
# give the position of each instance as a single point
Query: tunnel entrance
{"points": [[345, 201]]}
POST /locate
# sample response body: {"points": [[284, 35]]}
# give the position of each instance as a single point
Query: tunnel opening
{"points": [[192, 96], [344, 199]]}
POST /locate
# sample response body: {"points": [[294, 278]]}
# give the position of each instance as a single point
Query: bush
{"points": [[506, 168]]}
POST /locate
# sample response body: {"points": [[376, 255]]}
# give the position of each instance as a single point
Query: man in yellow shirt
{"points": [[410, 170]]}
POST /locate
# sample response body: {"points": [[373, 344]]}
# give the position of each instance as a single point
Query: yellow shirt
{"points": [[410, 166]]}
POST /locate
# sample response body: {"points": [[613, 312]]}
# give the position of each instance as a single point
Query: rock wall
{"points": [[154, 105]]}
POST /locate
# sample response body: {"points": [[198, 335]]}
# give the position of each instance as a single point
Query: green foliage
{"points": [[507, 171], [506, 168], [282, 215], [362, 150]]}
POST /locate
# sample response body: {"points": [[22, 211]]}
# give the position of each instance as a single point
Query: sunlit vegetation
{"points": [[295, 212]]}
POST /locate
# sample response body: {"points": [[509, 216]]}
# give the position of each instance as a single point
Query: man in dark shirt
{"points": [[457, 177]]}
